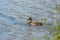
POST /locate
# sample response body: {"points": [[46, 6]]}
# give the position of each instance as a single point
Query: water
{"points": [[14, 14]]}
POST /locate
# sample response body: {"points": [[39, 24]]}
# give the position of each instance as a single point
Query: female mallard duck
{"points": [[34, 23]]}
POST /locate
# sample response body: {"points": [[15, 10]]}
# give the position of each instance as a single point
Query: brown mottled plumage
{"points": [[34, 23]]}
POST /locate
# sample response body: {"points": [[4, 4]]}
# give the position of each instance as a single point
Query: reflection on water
{"points": [[14, 14]]}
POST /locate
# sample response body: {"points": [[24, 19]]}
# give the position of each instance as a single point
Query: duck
{"points": [[30, 22]]}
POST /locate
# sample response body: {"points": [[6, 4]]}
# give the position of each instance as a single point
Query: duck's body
{"points": [[34, 23]]}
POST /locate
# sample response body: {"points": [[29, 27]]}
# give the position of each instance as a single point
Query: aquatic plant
{"points": [[58, 8], [54, 31], [57, 27], [46, 37], [35, 38], [57, 32]]}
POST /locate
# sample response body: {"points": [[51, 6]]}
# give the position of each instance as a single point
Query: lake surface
{"points": [[14, 15]]}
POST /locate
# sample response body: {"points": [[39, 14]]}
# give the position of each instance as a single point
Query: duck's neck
{"points": [[30, 21]]}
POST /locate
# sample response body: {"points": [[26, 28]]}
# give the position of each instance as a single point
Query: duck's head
{"points": [[29, 20]]}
